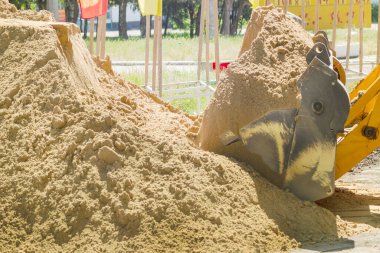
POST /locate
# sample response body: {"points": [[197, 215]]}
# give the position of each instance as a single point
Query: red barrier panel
{"points": [[222, 65]]}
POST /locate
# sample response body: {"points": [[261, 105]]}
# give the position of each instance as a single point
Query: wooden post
{"points": [[98, 36], [147, 39], [216, 40], [159, 48], [154, 64], [92, 24], [285, 6], [378, 35], [200, 45], [349, 33], [103, 39], [303, 13], [361, 52], [335, 21], [207, 41], [316, 22]]}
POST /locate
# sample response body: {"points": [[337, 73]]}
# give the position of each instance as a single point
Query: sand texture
{"points": [[9, 11], [90, 163], [262, 79]]}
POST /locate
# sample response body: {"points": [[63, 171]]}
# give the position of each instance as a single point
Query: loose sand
{"points": [[90, 163], [262, 79], [10, 11]]}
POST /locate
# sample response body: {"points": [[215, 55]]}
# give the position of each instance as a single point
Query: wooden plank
{"points": [[181, 83], [349, 33], [159, 48], [207, 5], [147, 40], [181, 90], [103, 38], [285, 6], [361, 51], [216, 40], [303, 13], [335, 22], [180, 97], [98, 36], [92, 26], [154, 64], [200, 44]]}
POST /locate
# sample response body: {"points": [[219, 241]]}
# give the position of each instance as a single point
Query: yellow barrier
{"points": [[326, 12]]}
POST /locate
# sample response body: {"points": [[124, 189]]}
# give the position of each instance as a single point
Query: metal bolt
{"points": [[370, 132], [318, 107]]}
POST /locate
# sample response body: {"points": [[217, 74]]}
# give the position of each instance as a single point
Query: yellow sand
{"points": [[90, 163]]}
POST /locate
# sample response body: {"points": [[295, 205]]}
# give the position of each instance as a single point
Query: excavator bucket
{"points": [[295, 148]]}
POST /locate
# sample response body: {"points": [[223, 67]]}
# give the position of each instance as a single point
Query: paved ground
{"points": [[357, 199]]}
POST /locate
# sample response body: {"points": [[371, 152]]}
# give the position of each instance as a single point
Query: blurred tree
{"points": [[375, 11], [71, 10], [123, 32], [41, 4], [85, 29], [123, 24], [192, 5], [237, 13], [176, 15], [226, 16], [232, 14], [22, 4], [194, 15]]}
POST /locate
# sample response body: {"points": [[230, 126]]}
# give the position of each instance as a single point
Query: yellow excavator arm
{"points": [[361, 135]]}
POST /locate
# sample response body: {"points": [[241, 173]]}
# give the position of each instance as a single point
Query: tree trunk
{"points": [[198, 23], [123, 19], [76, 11], [41, 4], [71, 11], [190, 7], [167, 20], [226, 17], [142, 26], [237, 14], [67, 10], [85, 29]]}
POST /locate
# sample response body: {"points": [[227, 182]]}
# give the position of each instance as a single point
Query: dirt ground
{"points": [[357, 197], [356, 200]]}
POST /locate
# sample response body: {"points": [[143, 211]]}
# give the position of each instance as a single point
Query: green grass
{"points": [[189, 105], [173, 48], [180, 47], [369, 38]]}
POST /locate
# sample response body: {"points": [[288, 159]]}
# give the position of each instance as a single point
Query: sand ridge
{"points": [[262, 79]]}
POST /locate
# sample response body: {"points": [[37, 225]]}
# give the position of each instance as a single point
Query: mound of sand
{"points": [[90, 163], [9, 11], [262, 79]]}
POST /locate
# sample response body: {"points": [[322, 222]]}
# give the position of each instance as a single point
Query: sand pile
{"points": [[263, 78], [8, 10], [90, 163]]}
